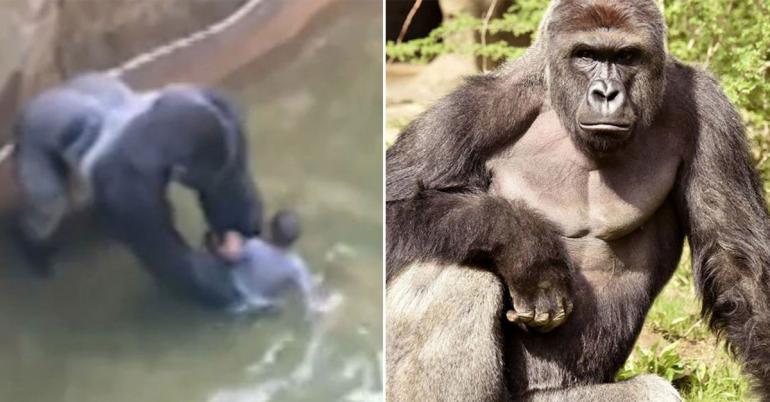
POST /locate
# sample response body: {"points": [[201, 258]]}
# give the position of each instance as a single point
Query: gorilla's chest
{"points": [[587, 199]]}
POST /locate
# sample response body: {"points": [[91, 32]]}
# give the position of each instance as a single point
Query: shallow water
{"points": [[99, 330]]}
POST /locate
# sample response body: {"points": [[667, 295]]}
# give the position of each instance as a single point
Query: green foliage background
{"points": [[731, 38]]}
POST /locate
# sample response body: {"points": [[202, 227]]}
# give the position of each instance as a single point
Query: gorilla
{"points": [[534, 214], [122, 149]]}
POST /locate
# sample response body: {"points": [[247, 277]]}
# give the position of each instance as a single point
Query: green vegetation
{"points": [[732, 39], [677, 345], [521, 19]]}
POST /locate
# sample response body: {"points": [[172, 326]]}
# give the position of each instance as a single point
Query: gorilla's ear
{"points": [[228, 247]]}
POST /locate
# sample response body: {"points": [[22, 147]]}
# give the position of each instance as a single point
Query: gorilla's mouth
{"points": [[607, 127], [603, 137]]}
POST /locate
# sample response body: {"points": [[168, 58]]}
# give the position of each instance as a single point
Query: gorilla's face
{"points": [[605, 71], [606, 118]]}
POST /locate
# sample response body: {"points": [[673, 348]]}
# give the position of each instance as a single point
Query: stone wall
{"points": [[44, 41]]}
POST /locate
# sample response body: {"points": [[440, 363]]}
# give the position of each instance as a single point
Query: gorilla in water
{"points": [[557, 192], [123, 148]]}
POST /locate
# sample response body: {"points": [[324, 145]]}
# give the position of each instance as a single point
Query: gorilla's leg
{"points": [[443, 343], [443, 329], [134, 209], [643, 388], [42, 180], [43, 184]]}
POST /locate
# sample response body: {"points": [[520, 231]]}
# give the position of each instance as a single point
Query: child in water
{"points": [[265, 270]]}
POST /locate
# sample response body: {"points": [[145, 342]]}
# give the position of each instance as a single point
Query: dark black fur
{"points": [[186, 134], [438, 209], [722, 205], [476, 230], [436, 206]]}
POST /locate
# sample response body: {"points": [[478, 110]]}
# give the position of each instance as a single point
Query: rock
{"points": [[45, 41], [91, 35]]}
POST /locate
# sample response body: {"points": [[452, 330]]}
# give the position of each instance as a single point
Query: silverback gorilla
{"points": [[557, 192], [124, 148]]}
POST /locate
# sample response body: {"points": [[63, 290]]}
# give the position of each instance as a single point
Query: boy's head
{"points": [[284, 228], [284, 231]]}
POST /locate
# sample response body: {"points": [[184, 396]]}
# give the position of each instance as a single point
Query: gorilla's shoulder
{"points": [[681, 73], [695, 96]]}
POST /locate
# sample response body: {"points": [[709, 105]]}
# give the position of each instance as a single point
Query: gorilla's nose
{"points": [[606, 96]]}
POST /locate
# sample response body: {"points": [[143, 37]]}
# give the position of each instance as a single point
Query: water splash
{"points": [[303, 372], [270, 355], [268, 390]]}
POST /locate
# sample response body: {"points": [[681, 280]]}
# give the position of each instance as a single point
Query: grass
{"points": [[677, 345]]}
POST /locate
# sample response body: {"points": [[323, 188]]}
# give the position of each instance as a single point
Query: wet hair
{"points": [[284, 228]]}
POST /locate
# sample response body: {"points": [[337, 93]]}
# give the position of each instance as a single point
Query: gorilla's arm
{"points": [[483, 231], [728, 226], [231, 201], [437, 206], [436, 174], [137, 212]]}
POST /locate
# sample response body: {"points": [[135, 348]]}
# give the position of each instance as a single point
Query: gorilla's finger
{"points": [[524, 309], [541, 319], [568, 306], [546, 302], [516, 318], [546, 328], [522, 318], [557, 320], [559, 317]]}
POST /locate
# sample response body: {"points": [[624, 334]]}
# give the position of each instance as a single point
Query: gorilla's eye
{"points": [[584, 54], [627, 56]]}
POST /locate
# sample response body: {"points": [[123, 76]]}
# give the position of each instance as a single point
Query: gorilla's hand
{"points": [[544, 305], [228, 246], [537, 272]]}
